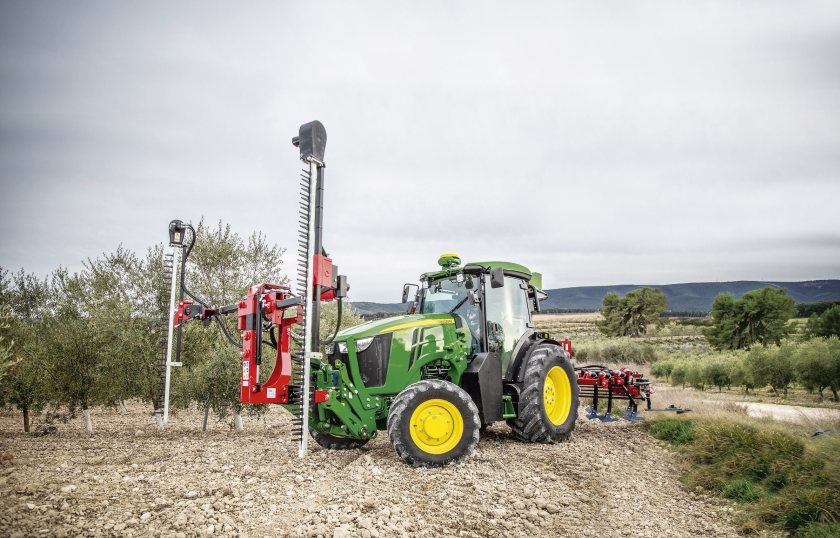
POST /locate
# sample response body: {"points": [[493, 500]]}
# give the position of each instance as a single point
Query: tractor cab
{"points": [[493, 300]]}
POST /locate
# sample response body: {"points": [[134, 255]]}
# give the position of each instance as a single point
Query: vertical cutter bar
{"points": [[176, 253], [308, 311]]}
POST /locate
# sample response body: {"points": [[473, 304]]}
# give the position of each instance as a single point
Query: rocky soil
{"points": [[126, 479]]}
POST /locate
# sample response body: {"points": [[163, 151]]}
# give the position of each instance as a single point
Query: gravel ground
{"points": [[126, 479]]}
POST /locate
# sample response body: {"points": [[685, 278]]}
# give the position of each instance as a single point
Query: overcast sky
{"points": [[617, 142]]}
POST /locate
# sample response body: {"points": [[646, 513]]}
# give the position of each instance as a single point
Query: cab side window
{"points": [[508, 307]]}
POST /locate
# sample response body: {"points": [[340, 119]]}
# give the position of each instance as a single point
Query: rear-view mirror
{"points": [[497, 277], [407, 291]]}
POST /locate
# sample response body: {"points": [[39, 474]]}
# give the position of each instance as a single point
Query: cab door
{"points": [[508, 307]]}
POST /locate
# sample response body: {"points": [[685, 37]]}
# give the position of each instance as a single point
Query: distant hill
{"points": [[694, 296]]}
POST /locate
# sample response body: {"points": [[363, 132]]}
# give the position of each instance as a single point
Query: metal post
{"points": [[317, 248], [308, 309], [176, 253]]}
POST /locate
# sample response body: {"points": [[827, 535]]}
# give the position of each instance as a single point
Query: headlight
{"points": [[363, 343], [330, 348], [342, 347]]}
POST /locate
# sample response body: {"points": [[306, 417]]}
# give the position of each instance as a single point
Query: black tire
{"points": [[400, 423], [533, 424], [337, 443]]}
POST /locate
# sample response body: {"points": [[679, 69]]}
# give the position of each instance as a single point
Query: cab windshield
{"points": [[448, 296], [445, 297]]}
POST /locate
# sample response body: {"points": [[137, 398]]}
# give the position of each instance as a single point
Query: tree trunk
{"points": [[87, 420], [206, 418], [834, 392], [159, 422], [25, 419], [122, 407], [785, 392], [237, 420]]}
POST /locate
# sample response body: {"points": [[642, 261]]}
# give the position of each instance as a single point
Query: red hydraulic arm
{"points": [[273, 306]]}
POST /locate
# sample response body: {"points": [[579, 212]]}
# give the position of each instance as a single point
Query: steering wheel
{"points": [[471, 323]]}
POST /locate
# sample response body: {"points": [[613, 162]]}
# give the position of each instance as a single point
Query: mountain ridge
{"points": [[682, 297]]}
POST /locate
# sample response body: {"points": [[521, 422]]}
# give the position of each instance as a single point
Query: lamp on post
{"points": [[176, 233]]}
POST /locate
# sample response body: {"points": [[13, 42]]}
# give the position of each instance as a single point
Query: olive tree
{"points": [[741, 374], [22, 299], [772, 366], [74, 375], [717, 373]]}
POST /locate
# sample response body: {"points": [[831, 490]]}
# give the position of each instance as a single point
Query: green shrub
{"points": [[786, 482], [800, 509], [741, 490], [694, 376], [675, 431], [820, 530], [679, 373], [717, 373], [616, 351], [663, 368]]}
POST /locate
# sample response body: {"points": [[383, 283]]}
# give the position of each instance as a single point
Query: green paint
{"points": [[417, 342], [421, 346], [508, 411]]}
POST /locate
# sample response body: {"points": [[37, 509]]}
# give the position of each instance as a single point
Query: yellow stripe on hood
{"points": [[421, 323]]}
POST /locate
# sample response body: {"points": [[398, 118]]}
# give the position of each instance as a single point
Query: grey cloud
{"points": [[643, 142]]}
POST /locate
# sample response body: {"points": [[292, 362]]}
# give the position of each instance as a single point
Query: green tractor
{"points": [[465, 355]]}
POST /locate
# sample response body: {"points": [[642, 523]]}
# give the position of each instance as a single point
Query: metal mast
{"points": [[311, 140]]}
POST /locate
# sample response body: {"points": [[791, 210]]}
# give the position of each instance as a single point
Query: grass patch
{"points": [[820, 530], [675, 431], [783, 481], [741, 490]]}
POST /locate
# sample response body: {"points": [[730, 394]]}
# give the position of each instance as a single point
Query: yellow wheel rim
{"points": [[557, 395], [436, 426]]}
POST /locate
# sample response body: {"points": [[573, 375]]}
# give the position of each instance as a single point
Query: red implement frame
{"points": [[266, 302], [596, 381]]}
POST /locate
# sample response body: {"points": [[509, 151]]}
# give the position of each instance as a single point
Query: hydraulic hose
{"points": [[227, 332], [273, 337]]}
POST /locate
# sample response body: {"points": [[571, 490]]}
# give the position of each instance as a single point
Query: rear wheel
{"points": [[433, 423], [337, 443], [548, 403]]}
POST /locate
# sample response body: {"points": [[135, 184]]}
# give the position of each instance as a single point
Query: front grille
{"points": [[373, 361]]}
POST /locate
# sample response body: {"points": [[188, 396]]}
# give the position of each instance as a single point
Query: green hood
{"points": [[396, 323]]}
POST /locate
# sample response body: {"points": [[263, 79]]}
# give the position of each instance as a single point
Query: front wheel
{"points": [[548, 404], [433, 423]]}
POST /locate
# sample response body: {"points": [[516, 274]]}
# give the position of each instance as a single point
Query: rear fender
{"points": [[516, 370]]}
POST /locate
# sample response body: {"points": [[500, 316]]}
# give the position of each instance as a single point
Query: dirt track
{"points": [[125, 479]]}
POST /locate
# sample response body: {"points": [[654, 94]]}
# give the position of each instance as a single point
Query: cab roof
{"points": [[510, 268]]}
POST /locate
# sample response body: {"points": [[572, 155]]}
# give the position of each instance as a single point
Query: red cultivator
{"points": [[599, 382]]}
